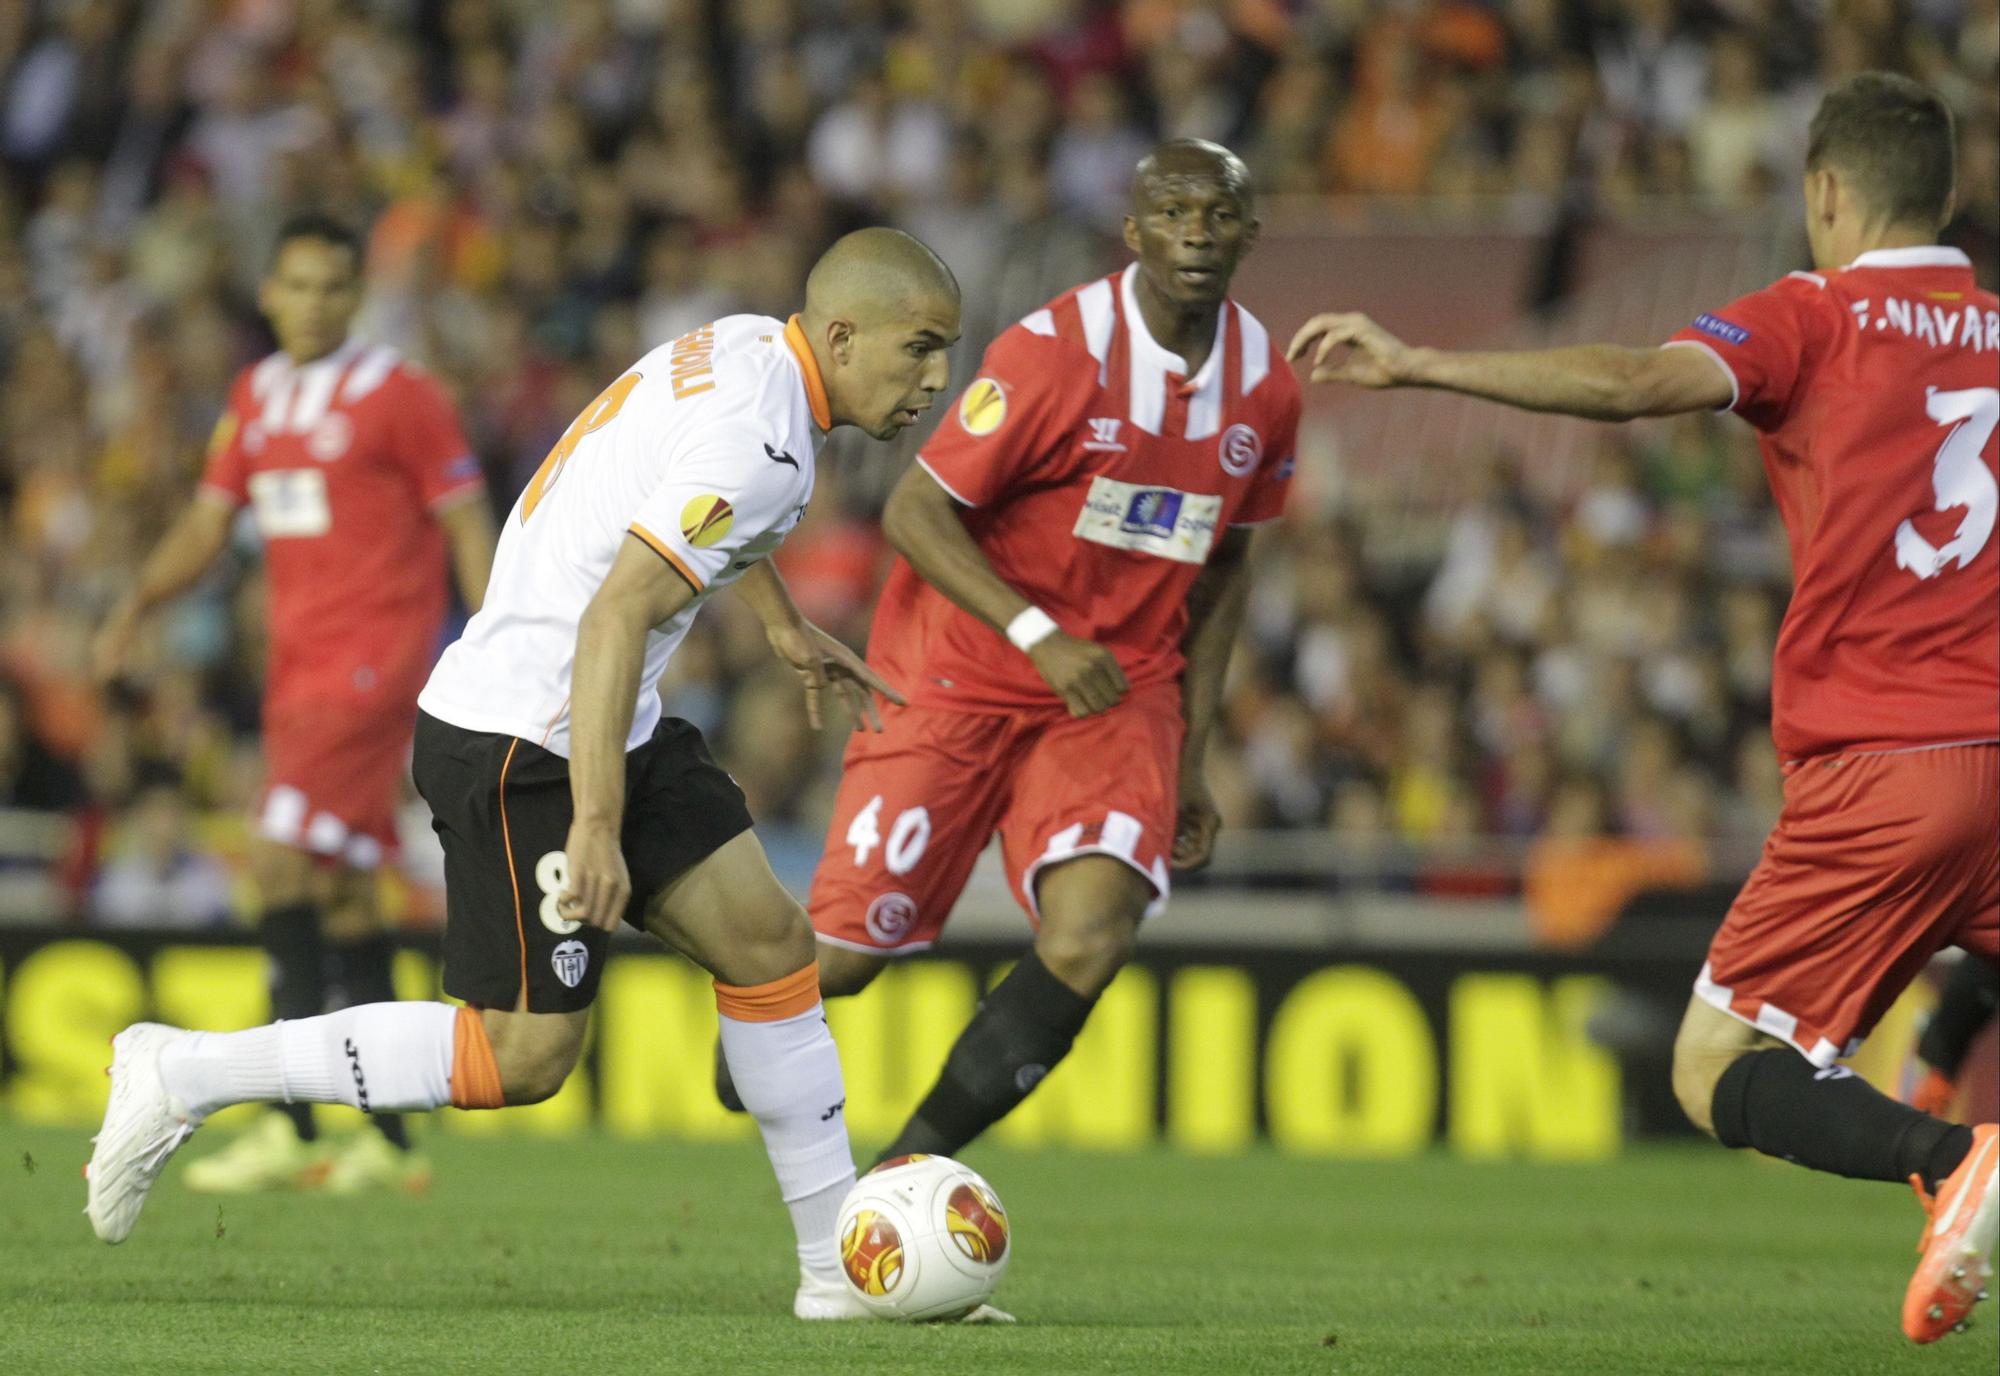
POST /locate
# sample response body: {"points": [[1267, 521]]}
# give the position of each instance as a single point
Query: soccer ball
{"points": [[922, 1237]]}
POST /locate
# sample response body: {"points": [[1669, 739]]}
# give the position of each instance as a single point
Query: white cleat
{"points": [[832, 1299], [143, 1127], [820, 1299]]}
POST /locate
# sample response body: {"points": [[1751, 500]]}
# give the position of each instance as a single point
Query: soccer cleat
{"points": [[265, 1156], [819, 1298], [831, 1299], [1958, 1242], [143, 1127], [367, 1162]]}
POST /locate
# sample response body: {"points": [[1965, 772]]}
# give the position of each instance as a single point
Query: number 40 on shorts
{"points": [[907, 838]]}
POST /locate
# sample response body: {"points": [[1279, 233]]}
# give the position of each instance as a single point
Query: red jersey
{"points": [[1099, 476], [343, 461], [1874, 392]]}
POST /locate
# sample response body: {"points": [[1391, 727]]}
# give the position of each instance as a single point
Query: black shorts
{"points": [[502, 809]]}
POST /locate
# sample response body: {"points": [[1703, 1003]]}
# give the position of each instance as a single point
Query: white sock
{"points": [[379, 1057], [788, 1075]]}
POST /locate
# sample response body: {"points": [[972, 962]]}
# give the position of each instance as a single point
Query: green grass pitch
{"points": [[603, 1255]]}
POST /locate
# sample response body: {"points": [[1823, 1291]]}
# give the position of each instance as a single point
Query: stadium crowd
{"points": [[553, 189]]}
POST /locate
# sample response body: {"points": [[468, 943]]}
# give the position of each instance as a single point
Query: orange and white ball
{"points": [[923, 1237]]}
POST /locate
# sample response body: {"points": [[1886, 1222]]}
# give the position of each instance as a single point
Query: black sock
{"points": [[1831, 1120], [1022, 1029], [290, 933], [364, 971], [1969, 1000]]}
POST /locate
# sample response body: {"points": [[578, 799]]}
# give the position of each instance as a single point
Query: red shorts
{"points": [[1877, 862], [333, 775], [919, 800]]}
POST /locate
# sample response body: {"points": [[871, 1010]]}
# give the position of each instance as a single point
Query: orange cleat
{"points": [[1934, 1094], [1958, 1242]]}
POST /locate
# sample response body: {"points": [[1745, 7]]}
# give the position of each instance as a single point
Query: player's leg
{"points": [[281, 1149], [730, 915], [1091, 910], [1876, 863], [1966, 1007], [1086, 835], [1748, 1089], [917, 803], [361, 961]]}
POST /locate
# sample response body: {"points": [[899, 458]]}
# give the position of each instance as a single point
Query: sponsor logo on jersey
{"points": [[570, 960], [983, 407], [706, 519], [891, 918], [354, 1069], [1721, 329], [779, 456], [1160, 521], [1240, 450]]}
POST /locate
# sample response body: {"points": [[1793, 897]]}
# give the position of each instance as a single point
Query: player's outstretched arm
{"points": [[922, 522], [1594, 381], [175, 565], [468, 533], [819, 659], [641, 591], [1215, 613]]}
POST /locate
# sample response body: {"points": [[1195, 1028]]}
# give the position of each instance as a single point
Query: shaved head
{"points": [[881, 314], [876, 274], [1181, 163]]}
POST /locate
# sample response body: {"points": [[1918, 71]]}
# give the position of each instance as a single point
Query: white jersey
{"points": [[705, 451]]}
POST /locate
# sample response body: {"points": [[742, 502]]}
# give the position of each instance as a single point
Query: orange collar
{"points": [[795, 336]]}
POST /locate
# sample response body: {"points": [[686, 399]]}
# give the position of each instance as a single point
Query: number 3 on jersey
{"points": [[599, 413], [907, 838], [1959, 477]]}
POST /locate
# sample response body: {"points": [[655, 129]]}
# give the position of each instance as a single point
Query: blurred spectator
{"points": [[156, 877]]}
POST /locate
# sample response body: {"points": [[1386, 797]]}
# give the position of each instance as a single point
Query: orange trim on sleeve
{"points": [[795, 335], [784, 998], [475, 1079], [659, 547]]}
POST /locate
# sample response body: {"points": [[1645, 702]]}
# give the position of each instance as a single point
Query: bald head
{"points": [[881, 312], [1181, 163], [877, 274]]}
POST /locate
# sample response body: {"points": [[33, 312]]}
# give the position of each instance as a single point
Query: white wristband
{"points": [[1030, 629]]}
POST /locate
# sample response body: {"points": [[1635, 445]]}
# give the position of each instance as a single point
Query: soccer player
{"points": [[1872, 383], [1073, 546], [566, 802], [362, 486]]}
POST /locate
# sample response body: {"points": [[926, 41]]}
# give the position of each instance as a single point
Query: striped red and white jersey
{"points": [[1098, 475], [343, 462]]}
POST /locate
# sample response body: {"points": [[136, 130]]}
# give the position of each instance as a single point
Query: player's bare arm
{"points": [[922, 522], [176, 564], [1594, 381], [819, 659], [641, 591], [1215, 613], [468, 533]]}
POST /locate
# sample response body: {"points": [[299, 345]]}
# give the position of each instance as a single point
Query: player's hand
{"points": [[1084, 674], [1375, 358], [1195, 824], [823, 663], [599, 885], [111, 644]]}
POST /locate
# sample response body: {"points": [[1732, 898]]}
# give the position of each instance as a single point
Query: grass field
{"points": [[601, 1255]]}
